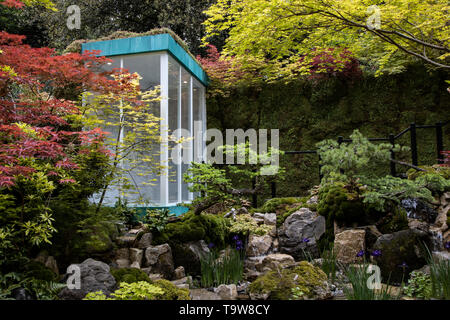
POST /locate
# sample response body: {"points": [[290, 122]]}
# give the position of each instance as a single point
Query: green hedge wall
{"points": [[307, 112]]}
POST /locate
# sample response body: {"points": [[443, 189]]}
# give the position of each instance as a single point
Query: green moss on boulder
{"points": [[304, 277], [279, 205], [129, 275], [208, 227]]}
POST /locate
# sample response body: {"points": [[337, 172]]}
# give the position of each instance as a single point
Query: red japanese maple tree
{"points": [[35, 84]]}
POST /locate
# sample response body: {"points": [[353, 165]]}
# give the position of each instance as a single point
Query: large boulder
{"points": [[227, 292], [402, 248], [300, 232], [189, 255], [95, 276], [160, 259], [311, 281], [145, 241], [258, 245], [277, 261], [257, 266], [348, 244]]}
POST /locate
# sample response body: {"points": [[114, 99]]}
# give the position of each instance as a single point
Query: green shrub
{"points": [[38, 270], [157, 219], [141, 290], [246, 225], [171, 291], [419, 285], [126, 213], [129, 275], [435, 169]]}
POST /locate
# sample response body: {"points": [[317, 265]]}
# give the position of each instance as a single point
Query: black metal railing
{"points": [[391, 138]]}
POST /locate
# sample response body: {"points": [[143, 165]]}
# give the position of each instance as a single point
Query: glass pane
{"points": [[185, 124], [174, 92], [109, 116], [141, 175], [197, 115]]}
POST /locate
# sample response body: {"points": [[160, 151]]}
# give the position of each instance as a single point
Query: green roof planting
{"points": [[151, 43]]}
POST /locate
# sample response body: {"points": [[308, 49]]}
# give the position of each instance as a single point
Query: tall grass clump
{"points": [[225, 269], [329, 263], [440, 276], [358, 276]]}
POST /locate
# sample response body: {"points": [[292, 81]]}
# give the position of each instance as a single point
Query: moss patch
{"points": [[208, 227], [279, 285], [129, 275], [75, 46], [279, 205]]}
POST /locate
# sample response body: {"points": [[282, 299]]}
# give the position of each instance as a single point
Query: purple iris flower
{"points": [[360, 253], [376, 253], [235, 238], [305, 240], [447, 245], [403, 265], [211, 245]]}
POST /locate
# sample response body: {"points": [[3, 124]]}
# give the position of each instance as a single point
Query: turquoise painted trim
{"points": [[154, 43], [176, 210]]}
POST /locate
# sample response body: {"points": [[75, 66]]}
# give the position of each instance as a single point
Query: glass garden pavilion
{"points": [[161, 61]]}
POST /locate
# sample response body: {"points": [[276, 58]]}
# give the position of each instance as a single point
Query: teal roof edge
{"points": [[153, 43]]}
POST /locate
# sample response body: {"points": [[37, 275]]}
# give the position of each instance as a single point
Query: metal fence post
{"points": [[254, 195], [392, 141], [412, 129], [320, 170], [439, 142], [273, 187]]}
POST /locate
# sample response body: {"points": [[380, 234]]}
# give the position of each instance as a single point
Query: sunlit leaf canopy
{"points": [[383, 35]]}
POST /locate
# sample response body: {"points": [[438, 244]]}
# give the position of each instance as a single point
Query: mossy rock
{"points": [[406, 246], [130, 275], [171, 291], [280, 205], [38, 270], [208, 227], [336, 203], [305, 277], [183, 256]]}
